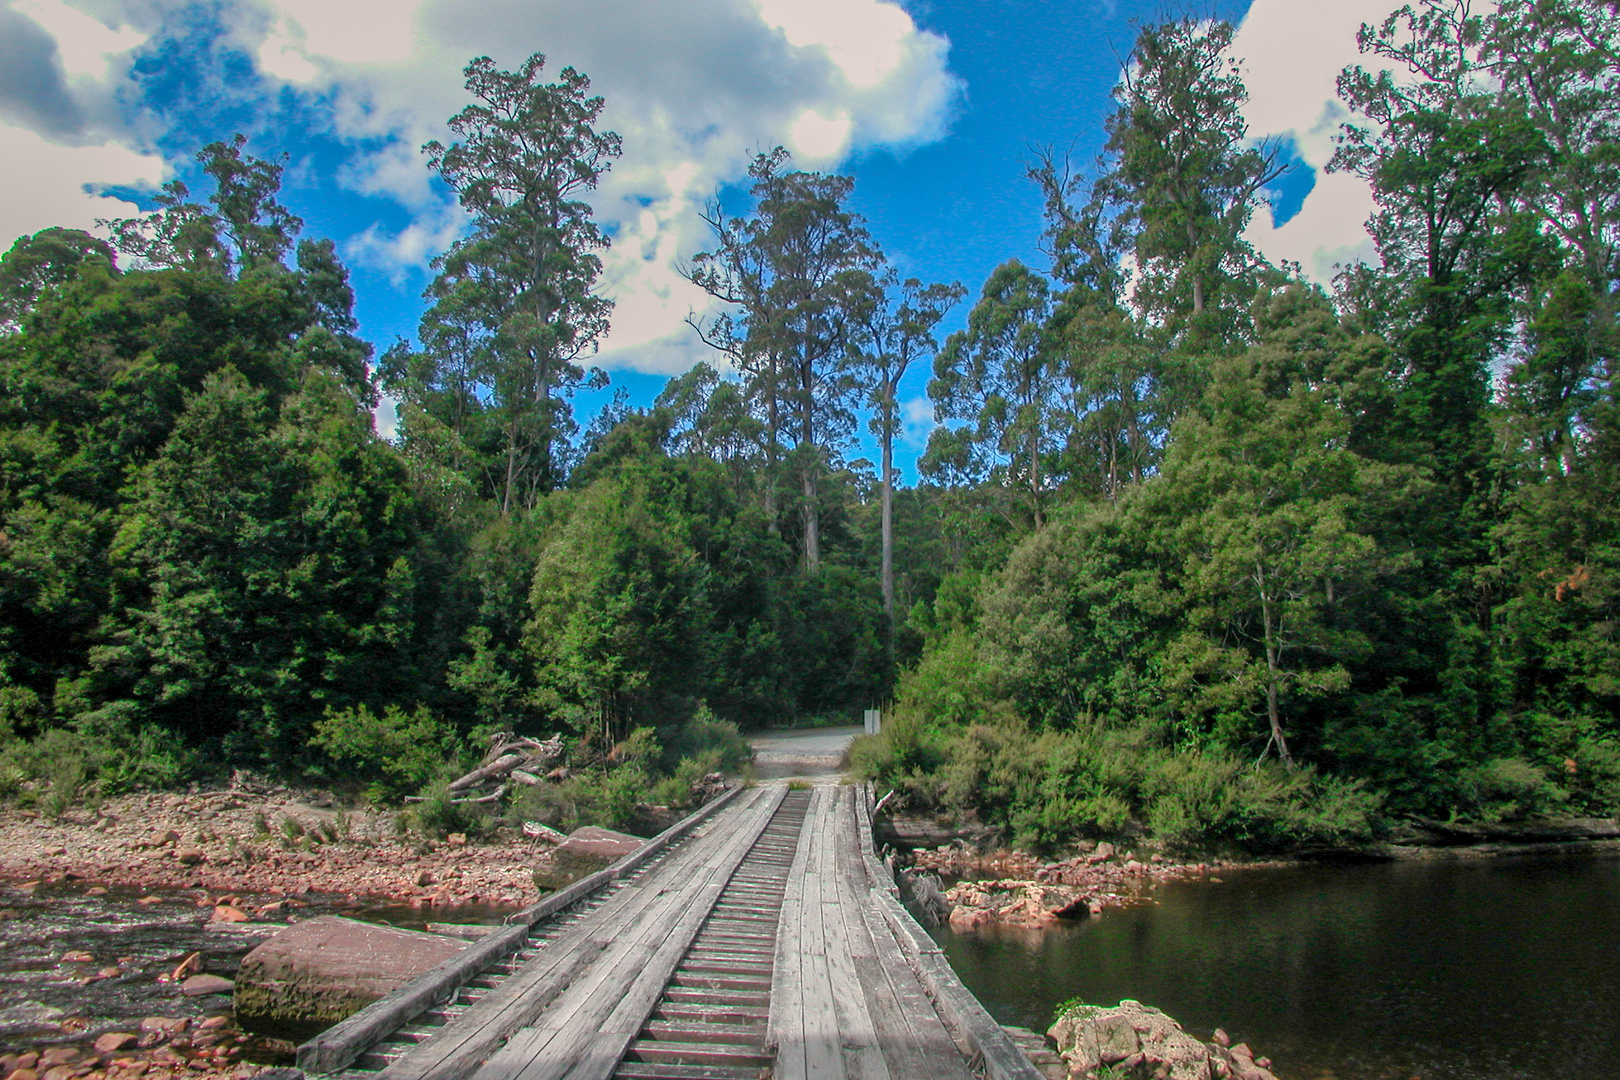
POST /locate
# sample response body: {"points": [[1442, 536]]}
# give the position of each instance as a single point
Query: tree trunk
{"points": [[810, 463], [888, 506], [1273, 674], [772, 421], [1035, 472]]}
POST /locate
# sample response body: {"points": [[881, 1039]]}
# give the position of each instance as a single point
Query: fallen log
{"points": [[494, 796], [497, 768]]}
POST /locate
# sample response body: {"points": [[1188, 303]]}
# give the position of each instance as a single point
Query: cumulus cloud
{"points": [[1294, 55], [51, 188], [694, 89]]}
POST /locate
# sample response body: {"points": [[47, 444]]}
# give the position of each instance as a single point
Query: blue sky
{"points": [[933, 106]]}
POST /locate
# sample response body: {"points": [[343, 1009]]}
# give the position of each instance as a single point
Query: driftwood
{"points": [[537, 830], [510, 757], [497, 768]]}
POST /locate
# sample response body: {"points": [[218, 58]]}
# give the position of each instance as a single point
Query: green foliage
{"points": [[604, 797], [438, 815], [1050, 788], [394, 752], [1507, 789], [706, 736]]}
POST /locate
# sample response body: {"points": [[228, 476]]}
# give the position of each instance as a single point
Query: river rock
{"points": [[586, 851], [1137, 1042], [328, 968], [198, 985]]}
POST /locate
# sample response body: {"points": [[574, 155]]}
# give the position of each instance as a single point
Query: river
{"points": [[1492, 969]]}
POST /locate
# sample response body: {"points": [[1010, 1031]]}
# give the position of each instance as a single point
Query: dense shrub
{"points": [[394, 753], [1049, 788]]}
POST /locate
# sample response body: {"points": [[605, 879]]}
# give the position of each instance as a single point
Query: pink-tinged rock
{"points": [[226, 913], [198, 985], [189, 856], [77, 956], [586, 851], [164, 1025], [58, 1055], [191, 965], [969, 918], [327, 968], [114, 1041]]}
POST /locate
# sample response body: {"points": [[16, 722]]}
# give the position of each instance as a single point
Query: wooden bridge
{"points": [[760, 937]]}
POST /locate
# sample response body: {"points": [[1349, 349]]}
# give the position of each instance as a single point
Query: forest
{"points": [[1199, 549]]}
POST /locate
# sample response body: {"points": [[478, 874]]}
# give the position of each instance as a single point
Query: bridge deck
{"points": [[844, 1002], [767, 943]]}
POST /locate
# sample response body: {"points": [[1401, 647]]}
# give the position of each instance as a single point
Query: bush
{"points": [[66, 767], [1505, 789], [397, 752], [607, 798], [436, 815], [706, 735]]}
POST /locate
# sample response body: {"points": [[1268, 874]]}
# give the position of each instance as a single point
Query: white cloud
{"points": [[87, 46], [411, 248], [917, 422], [695, 89], [1294, 55], [45, 185]]}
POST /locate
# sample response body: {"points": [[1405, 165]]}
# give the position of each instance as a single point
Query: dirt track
{"points": [[816, 754]]}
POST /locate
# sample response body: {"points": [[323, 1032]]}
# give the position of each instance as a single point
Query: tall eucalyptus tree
{"points": [[524, 279]]}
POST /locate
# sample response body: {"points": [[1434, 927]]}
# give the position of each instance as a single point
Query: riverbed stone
{"points": [[199, 985], [586, 851], [114, 1041], [167, 1026], [326, 969], [1140, 1042]]}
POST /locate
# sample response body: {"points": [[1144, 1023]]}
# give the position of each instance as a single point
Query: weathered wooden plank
{"points": [[592, 994], [822, 1039], [645, 982], [625, 983], [999, 1055], [847, 939], [784, 1024], [464, 1045], [339, 1045], [921, 1048]]}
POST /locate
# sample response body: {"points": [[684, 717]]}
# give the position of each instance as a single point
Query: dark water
{"points": [[1505, 969], [47, 1000]]}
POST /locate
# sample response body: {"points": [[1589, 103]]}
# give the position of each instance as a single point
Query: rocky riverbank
{"points": [[244, 861], [268, 842], [1014, 888], [1134, 1042]]}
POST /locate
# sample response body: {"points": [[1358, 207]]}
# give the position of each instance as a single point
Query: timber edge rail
{"points": [[992, 1048], [338, 1046]]}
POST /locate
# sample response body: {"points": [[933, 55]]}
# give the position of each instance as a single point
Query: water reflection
{"points": [[1493, 970]]}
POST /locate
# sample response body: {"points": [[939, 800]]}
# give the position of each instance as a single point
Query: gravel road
{"points": [[813, 754]]}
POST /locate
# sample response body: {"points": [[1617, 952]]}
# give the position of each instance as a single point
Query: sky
{"points": [[933, 106]]}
